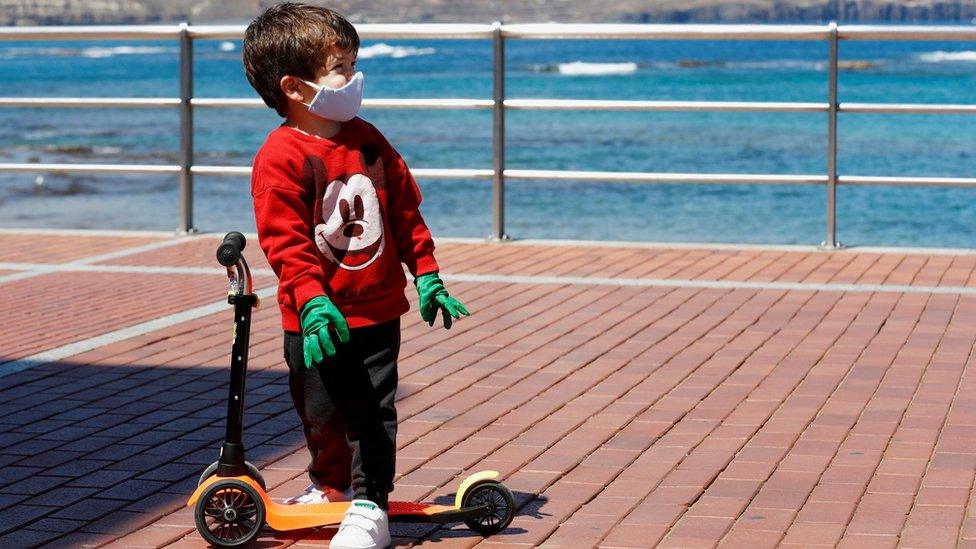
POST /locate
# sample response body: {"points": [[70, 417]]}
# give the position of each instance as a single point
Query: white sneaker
{"points": [[364, 527], [314, 494]]}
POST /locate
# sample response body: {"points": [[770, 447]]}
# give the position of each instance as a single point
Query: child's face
{"points": [[338, 68]]}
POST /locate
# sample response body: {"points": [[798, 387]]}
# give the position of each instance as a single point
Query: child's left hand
{"points": [[434, 296]]}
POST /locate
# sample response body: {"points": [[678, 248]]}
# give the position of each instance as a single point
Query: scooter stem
{"points": [[231, 461]]}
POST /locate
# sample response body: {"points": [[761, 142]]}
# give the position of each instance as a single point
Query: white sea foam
{"points": [[801, 64], [90, 52], [98, 51], [396, 52], [227, 46], [947, 56], [582, 68]]}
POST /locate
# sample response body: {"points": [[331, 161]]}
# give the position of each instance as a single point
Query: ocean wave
{"points": [[82, 150], [396, 52], [947, 56], [94, 52], [582, 68], [801, 64]]}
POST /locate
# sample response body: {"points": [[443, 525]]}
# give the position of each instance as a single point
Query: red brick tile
{"points": [[704, 528], [928, 536], [876, 523], [864, 541], [814, 534], [755, 518], [739, 538], [631, 535]]}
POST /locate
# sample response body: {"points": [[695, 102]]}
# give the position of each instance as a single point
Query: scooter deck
{"points": [[283, 517]]}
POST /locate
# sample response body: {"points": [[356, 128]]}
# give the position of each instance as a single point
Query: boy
{"points": [[337, 212]]}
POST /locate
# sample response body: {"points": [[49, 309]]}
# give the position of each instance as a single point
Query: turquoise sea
{"points": [[886, 145]]}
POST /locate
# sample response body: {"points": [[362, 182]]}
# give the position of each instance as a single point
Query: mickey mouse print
{"points": [[349, 217]]}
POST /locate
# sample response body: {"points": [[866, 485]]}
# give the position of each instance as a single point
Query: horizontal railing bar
{"points": [[418, 103], [900, 33], [91, 32], [651, 177], [88, 168], [581, 175], [432, 173], [220, 170], [556, 31], [613, 105], [89, 102], [520, 31], [217, 32], [515, 104], [453, 173], [907, 181], [907, 108], [450, 173], [367, 31]]}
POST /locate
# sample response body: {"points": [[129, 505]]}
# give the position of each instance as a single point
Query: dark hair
{"points": [[292, 39]]}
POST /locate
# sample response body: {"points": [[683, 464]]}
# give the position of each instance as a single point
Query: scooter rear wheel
{"points": [[501, 507], [252, 472], [229, 513]]}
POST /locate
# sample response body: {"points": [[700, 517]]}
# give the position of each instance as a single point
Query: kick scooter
{"points": [[231, 502]]}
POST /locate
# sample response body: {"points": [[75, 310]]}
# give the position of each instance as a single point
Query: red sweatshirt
{"points": [[336, 217]]}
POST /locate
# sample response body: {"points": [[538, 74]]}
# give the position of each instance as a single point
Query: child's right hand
{"points": [[316, 316]]}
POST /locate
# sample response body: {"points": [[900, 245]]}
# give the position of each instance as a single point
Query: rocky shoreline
{"points": [[75, 12]]}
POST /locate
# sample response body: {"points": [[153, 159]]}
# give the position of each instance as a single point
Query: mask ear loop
{"points": [[315, 87]]}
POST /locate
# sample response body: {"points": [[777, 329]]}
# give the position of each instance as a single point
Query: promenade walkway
{"points": [[630, 395]]}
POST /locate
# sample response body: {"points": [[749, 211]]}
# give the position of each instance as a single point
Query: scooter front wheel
{"points": [[501, 507], [229, 514]]}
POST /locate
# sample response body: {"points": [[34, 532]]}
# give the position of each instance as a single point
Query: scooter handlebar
{"points": [[229, 251]]}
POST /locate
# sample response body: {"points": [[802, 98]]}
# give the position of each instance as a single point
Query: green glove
{"points": [[316, 316], [434, 296]]}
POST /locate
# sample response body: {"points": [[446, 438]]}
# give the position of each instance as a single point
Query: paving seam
{"points": [[72, 349], [542, 279], [540, 242], [37, 269]]}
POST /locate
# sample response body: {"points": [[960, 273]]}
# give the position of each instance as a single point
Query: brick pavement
{"points": [[624, 412]]}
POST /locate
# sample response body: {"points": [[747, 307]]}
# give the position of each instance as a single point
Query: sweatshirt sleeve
{"points": [[414, 243], [283, 217]]}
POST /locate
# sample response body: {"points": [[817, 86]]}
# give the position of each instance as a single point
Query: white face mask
{"points": [[341, 104]]}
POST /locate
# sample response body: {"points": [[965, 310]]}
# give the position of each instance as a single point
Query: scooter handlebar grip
{"points": [[229, 251]]}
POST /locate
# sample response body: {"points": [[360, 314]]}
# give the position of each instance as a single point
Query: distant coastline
{"points": [[107, 12]]}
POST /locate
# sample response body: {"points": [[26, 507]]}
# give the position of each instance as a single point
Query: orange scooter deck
{"points": [[295, 517]]}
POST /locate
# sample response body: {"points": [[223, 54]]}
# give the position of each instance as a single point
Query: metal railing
{"points": [[499, 104]]}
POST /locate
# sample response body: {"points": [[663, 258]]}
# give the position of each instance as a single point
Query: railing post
{"points": [[498, 136], [186, 130], [831, 242]]}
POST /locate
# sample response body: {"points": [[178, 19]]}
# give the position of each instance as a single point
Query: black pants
{"points": [[346, 404]]}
